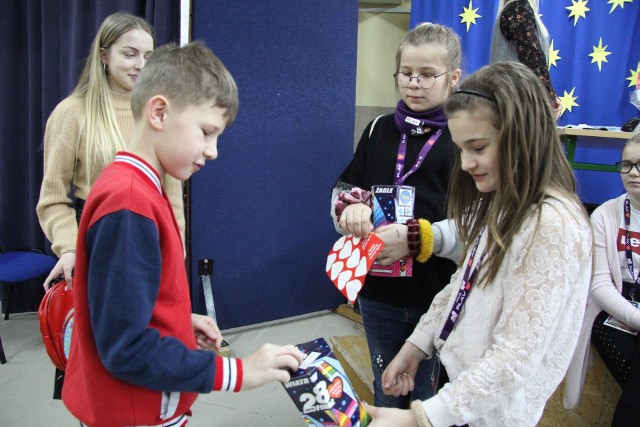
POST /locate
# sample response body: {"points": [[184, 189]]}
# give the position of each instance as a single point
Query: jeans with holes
{"points": [[387, 327]]}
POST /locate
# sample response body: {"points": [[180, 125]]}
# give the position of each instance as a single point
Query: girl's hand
{"points": [[394, 237], [208, 336], [390, 417], [63, 268], [270, 363], [399, 376], [356, 220]]}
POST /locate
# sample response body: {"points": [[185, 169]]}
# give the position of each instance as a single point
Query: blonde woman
{"points": [[519, 35], [86, 129]]}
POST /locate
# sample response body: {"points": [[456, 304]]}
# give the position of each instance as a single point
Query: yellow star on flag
{"points": [[599, 54], [633, 79], [469, 15], [578, 10], [553, 56], [568, 101], [617, 3]]}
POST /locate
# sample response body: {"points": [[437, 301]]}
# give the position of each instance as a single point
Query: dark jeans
{"points": [[387, 327]]}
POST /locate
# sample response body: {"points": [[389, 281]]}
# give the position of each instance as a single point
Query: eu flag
{"points": [[594, 57]]}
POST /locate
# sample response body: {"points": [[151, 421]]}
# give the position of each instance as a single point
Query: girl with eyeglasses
{"points": [[612, 320], [507, 324], [411, 147]]}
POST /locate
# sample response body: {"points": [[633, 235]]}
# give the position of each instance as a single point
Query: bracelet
{"points": [[413, 237], [420, 414], [426, 241], [350, 197]]}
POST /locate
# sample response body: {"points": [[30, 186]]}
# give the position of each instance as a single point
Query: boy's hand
{"points": [[208, 336], [270, 363], [63, 268], [356, 220]]}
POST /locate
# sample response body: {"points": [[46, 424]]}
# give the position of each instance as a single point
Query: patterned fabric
{"points": [[350, 197], [513, 341], [519, 27]]}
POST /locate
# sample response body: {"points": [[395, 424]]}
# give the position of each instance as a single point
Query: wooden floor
{"points": [[596, 408]]}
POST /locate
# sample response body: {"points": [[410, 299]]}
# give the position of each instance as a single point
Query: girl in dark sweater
{"points": [[410, 147]]}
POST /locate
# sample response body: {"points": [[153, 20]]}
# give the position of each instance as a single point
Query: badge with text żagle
{"points": [[349, 261]]}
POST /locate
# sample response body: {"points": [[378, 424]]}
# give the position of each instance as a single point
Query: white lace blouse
{"points": [[514, 338]]}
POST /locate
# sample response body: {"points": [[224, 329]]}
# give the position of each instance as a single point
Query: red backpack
{"points": [[56, 323]]}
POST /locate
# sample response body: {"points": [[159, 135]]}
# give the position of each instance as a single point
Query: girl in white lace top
{"points": [[506, 326]]}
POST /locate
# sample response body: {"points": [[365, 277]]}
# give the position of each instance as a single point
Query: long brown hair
{"points": [[532, 163]]}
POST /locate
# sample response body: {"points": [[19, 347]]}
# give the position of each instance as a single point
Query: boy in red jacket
{"points": [[138, 355]]}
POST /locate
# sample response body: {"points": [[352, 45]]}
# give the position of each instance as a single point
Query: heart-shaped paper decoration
{"points": [[330, 260], [354, 259], [362, 268], [335, 388], [353, 289], [343, 278], [336, 268], [346, 250], [349, 261], [339, 243]]}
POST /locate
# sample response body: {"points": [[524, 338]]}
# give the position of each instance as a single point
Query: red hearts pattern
{"points": [[349, 261]]}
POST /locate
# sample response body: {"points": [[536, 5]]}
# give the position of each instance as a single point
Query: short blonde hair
{"points": [[186, 75], [430, 33]]}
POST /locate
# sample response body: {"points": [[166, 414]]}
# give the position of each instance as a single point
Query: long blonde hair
{"points": [[532, 163], [103, 135]]}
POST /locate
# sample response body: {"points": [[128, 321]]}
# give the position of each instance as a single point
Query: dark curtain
{"points": [[44, 45]]}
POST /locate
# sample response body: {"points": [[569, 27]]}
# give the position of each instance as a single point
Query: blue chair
{"points": [[17, 267]]}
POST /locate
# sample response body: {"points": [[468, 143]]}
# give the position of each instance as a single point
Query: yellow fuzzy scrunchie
{"points": [[426, 241]]}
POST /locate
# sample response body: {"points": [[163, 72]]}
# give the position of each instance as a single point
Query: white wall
{"points": [[380, 29], [379, 34]]}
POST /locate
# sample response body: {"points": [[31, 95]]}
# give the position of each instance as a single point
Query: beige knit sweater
{"points": [[65, 171]]}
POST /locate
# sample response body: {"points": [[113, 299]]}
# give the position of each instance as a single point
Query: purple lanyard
{"points": [[465, 287], [399, 179], [627, 247]]}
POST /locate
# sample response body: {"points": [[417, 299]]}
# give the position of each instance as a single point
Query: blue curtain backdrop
{"points": [[261, 210], [44, 46], [594, 65]]}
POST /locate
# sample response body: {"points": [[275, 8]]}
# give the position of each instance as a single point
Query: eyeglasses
{"points": [[426, 81], [625, 167]]}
